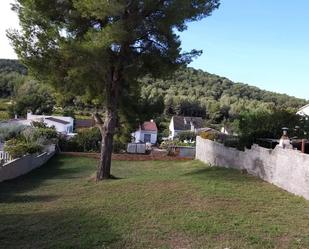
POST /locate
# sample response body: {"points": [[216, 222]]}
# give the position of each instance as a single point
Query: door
{"points": [[147, 138]]}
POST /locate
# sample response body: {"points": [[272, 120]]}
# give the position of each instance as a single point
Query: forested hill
{"points": [[195, 92], [10, 66], [189, 92]]}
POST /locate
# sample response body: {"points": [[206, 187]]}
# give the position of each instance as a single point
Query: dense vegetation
{"points": [[190, 92], [11, 75]]}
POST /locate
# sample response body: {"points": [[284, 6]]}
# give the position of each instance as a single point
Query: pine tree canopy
{"points": [[76, 44]]}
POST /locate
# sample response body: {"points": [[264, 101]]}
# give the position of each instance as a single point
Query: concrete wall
{"points": [[24, 165], [285, 168], [187, 152]]}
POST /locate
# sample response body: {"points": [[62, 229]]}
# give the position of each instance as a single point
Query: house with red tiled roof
{"points": [[147, 133]]}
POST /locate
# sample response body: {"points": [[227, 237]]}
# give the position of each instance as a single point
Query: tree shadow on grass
{"points": [[56, 168], [69, 228], [4, 198]]}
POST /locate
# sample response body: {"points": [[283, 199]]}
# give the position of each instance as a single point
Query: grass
{"points": [[152, 205]]}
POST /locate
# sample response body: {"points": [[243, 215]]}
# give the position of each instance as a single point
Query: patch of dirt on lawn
{"points": [[179, 241]]}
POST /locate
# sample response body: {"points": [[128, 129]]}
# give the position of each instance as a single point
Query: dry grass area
{"points": [[183, 204]]}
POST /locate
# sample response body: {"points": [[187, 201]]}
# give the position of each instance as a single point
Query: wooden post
{"points": [[303, 143]]}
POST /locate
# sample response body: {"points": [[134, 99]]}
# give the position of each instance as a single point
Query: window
{"points": [[147, 138]]}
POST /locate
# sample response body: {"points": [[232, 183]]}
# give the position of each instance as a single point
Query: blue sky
{"points": [[260, 42]]}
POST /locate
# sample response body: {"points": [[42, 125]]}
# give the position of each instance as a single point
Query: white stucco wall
{"points": [[171, 128], [285, 168], [139, 136], [62, 128]]}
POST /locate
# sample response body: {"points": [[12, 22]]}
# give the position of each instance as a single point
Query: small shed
{"points": [[147, 133]]}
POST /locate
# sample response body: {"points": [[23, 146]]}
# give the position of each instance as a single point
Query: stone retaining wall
{"points": [[285, 168]]}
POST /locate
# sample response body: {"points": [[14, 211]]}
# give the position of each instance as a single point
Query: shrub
{"points": [[9, 131], [86, 140], [18, 148], [4, 115], [40, 135], [29, 140], [187, 135], [210, 135]]}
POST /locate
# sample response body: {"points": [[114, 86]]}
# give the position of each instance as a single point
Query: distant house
{"points": [[180, 124], [62, 124], [304, 111], [147, 133]]}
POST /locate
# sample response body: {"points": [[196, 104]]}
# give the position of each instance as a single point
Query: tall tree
{"points": [[101, 47]]}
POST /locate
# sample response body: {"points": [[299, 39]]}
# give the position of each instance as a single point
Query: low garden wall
{"points": [[285, 168], [23, 165], [186, 151]]}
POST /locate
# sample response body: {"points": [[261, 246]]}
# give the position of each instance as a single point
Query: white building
{"points": [[304, 111], [180, 124], [62, 124], [147, 133]]}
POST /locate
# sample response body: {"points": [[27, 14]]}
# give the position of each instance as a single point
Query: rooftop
{"points": [[57, 120], [149, 126], [184, 123]]}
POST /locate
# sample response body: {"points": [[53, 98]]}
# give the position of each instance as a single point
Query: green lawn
{"points": [[151, 205]]}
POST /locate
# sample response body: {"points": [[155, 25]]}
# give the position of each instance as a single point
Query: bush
{"points": [[18, 148], [210, 135], [29, 140], [86, 140], [186, 135], [9, 131], [253, 126]]}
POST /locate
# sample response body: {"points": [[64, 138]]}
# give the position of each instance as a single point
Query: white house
{"points": [[147, 133], [180, 124], [62, 124], [304, 111]]}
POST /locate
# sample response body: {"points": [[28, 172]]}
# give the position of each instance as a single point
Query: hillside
{"points": [[188, 92], [195, 92], [11, 73]]}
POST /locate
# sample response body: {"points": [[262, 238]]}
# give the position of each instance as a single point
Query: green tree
{"points": [[260, 124], [102, 47], [34, 97]]}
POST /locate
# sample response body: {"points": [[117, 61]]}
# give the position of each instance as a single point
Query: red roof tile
{"points": [[149, 126]]}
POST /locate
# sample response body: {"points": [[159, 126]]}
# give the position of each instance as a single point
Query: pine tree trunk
{"points": [[108, 127], [107, 131]]}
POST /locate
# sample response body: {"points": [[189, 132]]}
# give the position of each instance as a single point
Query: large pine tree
{"points": [[101, 47]]}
